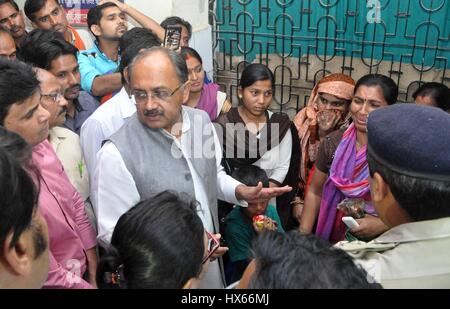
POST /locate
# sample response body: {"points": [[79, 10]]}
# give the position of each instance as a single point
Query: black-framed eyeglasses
{"points": [[55, 97], [141, 96]]}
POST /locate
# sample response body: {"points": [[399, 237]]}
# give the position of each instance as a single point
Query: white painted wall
{"points": [[194, 11]]}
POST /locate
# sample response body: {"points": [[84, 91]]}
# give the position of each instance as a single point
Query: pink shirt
{"points": [[71, 234]]}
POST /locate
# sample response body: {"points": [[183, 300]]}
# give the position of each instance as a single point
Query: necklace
{"points": [[359, 145]]}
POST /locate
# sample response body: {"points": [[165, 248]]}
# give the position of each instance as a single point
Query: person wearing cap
{"points": [[410, 189]]}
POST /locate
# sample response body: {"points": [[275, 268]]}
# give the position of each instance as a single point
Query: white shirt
{"points": [[116, 190], [103, 123], [276, 161]]}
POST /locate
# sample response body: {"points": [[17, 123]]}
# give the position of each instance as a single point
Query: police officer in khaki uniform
{"points": [[410, 186]]}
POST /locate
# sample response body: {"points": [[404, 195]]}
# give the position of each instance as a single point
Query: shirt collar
{"points": [[103, 55], [41, 152], [417, 231], [73, 39], [78, 105], [126, 105], [185, 126]]}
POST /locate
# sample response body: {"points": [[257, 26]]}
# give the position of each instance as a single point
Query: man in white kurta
{"points": [[159, 85]]}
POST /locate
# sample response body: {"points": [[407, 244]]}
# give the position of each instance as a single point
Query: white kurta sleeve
{"points": [[115, 190], [282, 158], [91, 137]]}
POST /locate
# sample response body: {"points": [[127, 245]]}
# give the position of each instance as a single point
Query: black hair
{"points": [[388, 86], [174, 57], [16, 146], [13, 3], [187, 52], [437, 91], [422, 199], [138, 34], [159, 243], [18, 195], [40, 47], [175, 20], [295, 261], [95, 14], [17, 83], [256, 72], [251, 175], [131, 43], [33, 6]]}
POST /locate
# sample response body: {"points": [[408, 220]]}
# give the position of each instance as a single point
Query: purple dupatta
{"points": [[348, 178]]}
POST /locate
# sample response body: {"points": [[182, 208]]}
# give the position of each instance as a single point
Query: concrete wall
{"points": [[194, 11]]}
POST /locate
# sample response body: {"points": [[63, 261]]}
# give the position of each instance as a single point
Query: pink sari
{"points": [[208, 100], [348, 178]]}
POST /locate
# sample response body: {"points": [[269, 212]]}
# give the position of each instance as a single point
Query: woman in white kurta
{"points": [[254, 135]]}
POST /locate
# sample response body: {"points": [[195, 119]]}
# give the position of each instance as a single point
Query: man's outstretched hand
{"points": [[258, 193]]}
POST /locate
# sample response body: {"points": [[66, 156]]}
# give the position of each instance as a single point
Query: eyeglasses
{"points": [[55, 97], [141, 96], [213, 245]]}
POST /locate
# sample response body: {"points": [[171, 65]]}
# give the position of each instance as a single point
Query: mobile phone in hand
{"points": [[350, 222], [172, 37]]}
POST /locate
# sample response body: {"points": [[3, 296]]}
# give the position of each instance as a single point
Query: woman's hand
{"points": [[297, 208]]}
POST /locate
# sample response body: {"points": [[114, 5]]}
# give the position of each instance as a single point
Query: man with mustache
{"points": [[7, 45], [98, 65], [110, 117], [59, 77], [73, 258], [65, 142], [11, 19], [166, 146], [48, 50], [49, 14]]}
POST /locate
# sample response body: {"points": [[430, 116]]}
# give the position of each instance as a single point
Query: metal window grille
{"points": [[303, 40]]}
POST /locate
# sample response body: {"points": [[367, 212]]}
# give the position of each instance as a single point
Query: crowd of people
{"points": [[119, 158]]}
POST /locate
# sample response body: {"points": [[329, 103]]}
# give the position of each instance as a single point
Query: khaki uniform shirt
{"points": [[412, 255]]}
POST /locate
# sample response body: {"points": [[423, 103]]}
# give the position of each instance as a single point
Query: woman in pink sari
{"points": [[206, 97], [342, 171], [326, 111]]}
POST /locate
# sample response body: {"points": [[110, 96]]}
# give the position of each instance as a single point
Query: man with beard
{"points": [[24, 254], [65, 142], [73, 258], [47, 49], [98, 65], [7, 45], [49, 14], [11, 19]]}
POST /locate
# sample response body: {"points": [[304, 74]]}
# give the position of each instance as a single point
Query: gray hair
{"points": [[177, 61]]}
